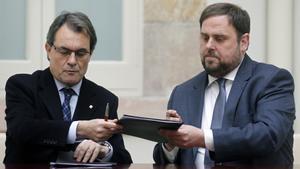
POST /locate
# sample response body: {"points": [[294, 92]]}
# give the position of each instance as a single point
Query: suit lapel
{"points": [[86, 104], [196, 102], [49, 94], [196, 99], [238, 86], [240, 81]]}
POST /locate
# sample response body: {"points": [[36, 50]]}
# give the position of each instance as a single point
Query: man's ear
{"points": [[48, 50], [244, 42]]}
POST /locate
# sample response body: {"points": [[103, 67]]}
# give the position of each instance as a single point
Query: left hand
{"points": [[88, 151], [186, 136], [173, 115]]}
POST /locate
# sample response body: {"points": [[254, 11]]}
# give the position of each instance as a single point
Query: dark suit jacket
{"points": [[36, 131], [258, 121]]}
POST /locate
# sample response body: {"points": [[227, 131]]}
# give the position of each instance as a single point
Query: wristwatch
{"points": [[108, 145]]}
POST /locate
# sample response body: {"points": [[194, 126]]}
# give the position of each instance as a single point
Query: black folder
{"points": [[147, 128]]}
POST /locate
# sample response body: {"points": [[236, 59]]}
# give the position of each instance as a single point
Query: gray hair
{"points": [[76, 21]]}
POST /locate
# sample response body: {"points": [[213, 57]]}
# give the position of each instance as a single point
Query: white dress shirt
{"points": [[72, 137]]}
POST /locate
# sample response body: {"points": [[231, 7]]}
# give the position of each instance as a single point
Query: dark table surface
{"points": [[147, 166]]}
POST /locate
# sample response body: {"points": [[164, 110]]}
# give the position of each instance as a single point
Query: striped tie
{"points": [[68, 92]]}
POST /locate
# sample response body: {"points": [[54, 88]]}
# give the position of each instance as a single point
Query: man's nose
{"points": [[210, 43], [72, 59]]}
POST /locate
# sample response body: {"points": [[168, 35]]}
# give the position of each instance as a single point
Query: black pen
{"points": [[106, 113]]}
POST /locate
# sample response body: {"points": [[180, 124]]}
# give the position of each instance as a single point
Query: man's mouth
{"points": [[211, 57], [71, 71]]}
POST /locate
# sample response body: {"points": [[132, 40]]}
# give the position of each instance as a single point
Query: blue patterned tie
{"points": [[218, 113], [68, 92]]}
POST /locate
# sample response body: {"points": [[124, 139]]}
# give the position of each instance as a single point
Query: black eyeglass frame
{"points": [[80, 53]]}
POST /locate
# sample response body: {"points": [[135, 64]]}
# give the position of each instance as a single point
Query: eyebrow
{"points": [[215, 34], [81, 49]]}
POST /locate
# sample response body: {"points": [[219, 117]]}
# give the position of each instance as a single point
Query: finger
{"points": [[80, 155], [172, 114], [88, 153], [116, 128], [114, 120], [113, 127], [174, 118], [75, 155], [175, 115], [80, 150], [109, 125], [95, 154]]}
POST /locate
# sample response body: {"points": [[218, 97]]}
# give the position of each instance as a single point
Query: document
{"points": [[147, 128], [85, 165]]}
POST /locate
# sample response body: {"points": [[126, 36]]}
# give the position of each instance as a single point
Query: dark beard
{"points": [[222, 69], [219, 71]]}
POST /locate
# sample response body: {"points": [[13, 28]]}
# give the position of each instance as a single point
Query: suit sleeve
{"points": [[120, 154], [24, 124], [158, 153], [272, 112]]}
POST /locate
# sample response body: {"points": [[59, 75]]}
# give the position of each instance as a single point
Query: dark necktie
{"points": [[218, 113], [68, 92]]}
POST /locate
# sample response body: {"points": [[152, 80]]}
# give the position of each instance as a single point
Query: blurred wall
{"points": [[171, 44], [171, 56]]}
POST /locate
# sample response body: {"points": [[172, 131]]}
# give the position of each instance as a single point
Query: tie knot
{"points": [[221, 82], [68, 92]]}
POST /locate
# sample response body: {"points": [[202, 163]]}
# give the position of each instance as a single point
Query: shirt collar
{"points": [[76, 87], [230, 76]]}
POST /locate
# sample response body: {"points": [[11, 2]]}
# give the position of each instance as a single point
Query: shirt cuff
{"points": [[72, 133], [171, 155], [209, 139], [109, 154]]}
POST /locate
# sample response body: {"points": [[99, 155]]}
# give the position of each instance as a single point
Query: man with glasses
{"points": [[57, 114]]}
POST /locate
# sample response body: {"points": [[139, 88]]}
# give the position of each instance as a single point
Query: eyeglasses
{"points": [[81, 53]]}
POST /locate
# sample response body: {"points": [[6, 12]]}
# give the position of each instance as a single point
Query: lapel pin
{"points": [[90, 106]]}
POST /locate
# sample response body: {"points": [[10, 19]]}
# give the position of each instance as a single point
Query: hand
{"points": [[88, 151], [186, 136], [98, 129], [173, 115]]}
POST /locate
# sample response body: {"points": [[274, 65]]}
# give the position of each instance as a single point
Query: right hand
{"points": [[98, 129], [187, 136]]}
